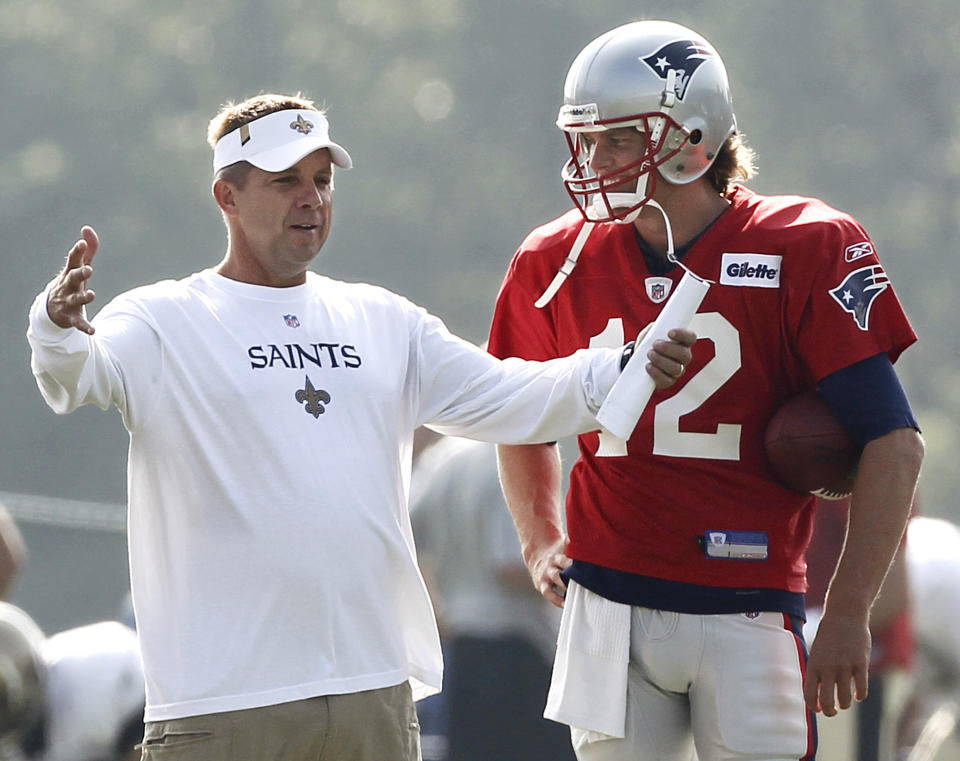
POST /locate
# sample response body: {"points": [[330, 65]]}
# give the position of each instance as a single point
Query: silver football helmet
{"points": [[666, 81]]}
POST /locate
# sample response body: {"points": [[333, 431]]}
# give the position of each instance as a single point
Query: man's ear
{"points": [[225, 195]]}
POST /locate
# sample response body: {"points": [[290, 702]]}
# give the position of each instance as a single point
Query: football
{"points": [[808, 450]]}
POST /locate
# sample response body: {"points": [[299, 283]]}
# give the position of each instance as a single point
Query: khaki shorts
{"points": [[376, 725]]}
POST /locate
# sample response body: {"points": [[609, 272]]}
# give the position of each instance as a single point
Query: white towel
{"points": [[589, 685]]}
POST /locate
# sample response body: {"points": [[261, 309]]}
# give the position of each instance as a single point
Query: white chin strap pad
{"points": [[598, 208]]}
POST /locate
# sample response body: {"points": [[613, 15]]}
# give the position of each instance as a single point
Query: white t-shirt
{"points": [[271, 554]]}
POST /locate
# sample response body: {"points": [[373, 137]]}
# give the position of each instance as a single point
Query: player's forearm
{"points": [[516, 402], [882, 498], [531, 478], [893, 598]]}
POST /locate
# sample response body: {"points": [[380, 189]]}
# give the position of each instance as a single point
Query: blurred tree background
{"points": [[448, 108]]}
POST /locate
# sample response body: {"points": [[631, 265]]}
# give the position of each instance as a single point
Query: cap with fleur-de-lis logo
{"points": [[301, 125], [277, 141]]}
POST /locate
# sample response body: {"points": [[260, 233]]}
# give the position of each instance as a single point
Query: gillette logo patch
{"points": [[757, 270]]}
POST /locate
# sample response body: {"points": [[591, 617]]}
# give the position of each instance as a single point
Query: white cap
{"points": [[277, 141]]}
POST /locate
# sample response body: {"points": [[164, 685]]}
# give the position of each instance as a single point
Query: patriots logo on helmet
{"points": [[684, 57], [858, 291]]}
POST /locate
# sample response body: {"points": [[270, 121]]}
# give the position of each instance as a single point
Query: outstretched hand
{"points": [[69, 294], [667, 360]]}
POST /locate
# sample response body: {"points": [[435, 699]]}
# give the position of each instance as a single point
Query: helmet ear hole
{"points": [[695, 137]]}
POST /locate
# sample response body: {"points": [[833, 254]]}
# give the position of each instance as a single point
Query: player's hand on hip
{"points": [[837, 670], [69, 294], [545, 565], [667, 360]]}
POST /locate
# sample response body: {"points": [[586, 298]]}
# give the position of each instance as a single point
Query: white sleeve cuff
{"points": [[45, 330]]}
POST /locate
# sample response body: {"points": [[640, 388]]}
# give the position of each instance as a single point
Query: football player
{"points": [[682, 579]]}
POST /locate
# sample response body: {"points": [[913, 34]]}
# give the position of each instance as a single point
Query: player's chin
{"points": [[308, 242]]}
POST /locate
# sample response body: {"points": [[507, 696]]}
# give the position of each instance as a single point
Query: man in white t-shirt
{"points": [[271, 411]]}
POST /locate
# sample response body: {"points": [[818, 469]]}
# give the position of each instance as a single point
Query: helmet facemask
{"points": [[601, 197]]}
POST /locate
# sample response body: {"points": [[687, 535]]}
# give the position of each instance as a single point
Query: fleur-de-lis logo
{"points": [[313, 399], [301, 125]]}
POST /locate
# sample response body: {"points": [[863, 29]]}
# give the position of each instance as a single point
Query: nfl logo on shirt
{"points": [[658, 288], [291, 320]]}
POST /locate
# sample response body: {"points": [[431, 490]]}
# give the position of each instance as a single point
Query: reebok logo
{"points": [[756, 270], [858, 251]]}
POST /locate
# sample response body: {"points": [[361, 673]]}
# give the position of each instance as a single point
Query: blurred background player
{"points": [[684, 600], [21, 681], [868, 732], [75, 696], [912, 708], [928, 728], [94, 694], [13, 552], [498, 634]]}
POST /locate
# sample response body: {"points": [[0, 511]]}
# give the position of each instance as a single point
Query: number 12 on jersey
{"points": [[668, 439]]}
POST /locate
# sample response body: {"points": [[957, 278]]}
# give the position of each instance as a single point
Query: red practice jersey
{"points": [[798, 294]]}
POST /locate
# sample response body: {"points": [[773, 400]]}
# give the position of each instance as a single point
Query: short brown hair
{"points": [[735, 161], [234, 115]]}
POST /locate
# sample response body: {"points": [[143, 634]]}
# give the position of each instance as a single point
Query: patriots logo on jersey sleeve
{"points": [[683, 56], [858, 291]]}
